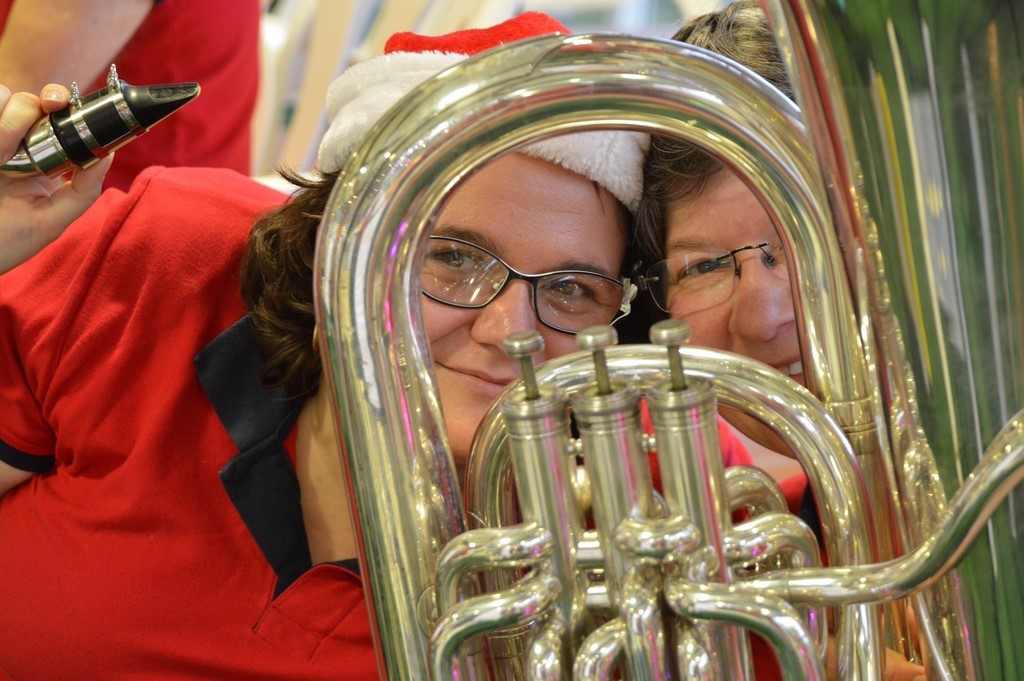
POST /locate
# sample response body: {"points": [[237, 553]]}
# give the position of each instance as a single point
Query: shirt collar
{"points": [[260, 480]]}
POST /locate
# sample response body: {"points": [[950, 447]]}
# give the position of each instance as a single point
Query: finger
{"points": [[73, 198], [54, 97], [68, 203], [919, 642], [22, 110], [88, 183], [898, 668]]}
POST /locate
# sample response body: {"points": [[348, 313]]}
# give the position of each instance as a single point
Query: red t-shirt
{"points": [[214, 43], [166, 541]]}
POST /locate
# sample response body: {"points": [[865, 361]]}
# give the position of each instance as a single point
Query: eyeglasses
{"points": [[690, 282], [461, 274]]}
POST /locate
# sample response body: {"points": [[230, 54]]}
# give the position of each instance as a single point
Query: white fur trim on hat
{"points": [[614, 159], [363, 93]]}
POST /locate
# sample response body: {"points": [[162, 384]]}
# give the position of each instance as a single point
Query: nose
{"points": [[762, 304], [510, 312]]}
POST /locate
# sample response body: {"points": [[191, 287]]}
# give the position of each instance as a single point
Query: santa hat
{"points": [[363, 93]]}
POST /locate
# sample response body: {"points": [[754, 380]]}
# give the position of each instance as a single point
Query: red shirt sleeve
{"points": [[39, 302], [76, 321]]}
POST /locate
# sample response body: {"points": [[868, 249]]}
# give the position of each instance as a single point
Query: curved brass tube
{"points": [[769, 616], [371, 242], [998, 472], [753, 489], [378, 368]]}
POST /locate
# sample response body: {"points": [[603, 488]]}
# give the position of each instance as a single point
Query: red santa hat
{"points": [[363, 93]]}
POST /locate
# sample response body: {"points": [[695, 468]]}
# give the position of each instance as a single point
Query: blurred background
{"points": [[305, 44]]}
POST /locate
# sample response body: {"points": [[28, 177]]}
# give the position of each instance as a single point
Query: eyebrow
{"points": [[696, 243], [470, 235], [481, 240], [687, 243]]}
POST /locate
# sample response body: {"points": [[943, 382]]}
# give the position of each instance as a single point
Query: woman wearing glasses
{"points": [[725, 272], [720, 263], [476, 296]]}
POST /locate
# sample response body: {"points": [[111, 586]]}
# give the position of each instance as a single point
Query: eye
{"points": [[774, 255], [705, 266], [454, 257], [448, 257], [569, 288], [454, 266], [580, 293]]}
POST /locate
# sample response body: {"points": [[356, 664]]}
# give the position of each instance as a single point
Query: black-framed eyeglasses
{"points": [[462, 274], [694, 281]]}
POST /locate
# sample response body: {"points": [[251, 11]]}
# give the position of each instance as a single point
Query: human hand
{"points": [[35, 210], [895, 666], [899, 668]]}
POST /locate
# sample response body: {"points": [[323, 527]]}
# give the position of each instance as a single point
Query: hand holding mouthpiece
{"points": [[92, 127]]}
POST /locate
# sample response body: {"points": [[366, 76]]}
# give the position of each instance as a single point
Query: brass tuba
{"points": [[912, 160]]}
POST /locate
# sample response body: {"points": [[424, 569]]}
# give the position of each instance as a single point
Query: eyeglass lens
{"points": [[461, 274], [695, 281]]}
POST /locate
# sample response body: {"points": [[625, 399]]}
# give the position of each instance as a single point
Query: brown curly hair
{"points": [[277, 288], [676, 170]]}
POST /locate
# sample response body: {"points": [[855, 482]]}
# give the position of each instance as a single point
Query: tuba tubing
{"points": [[403, 487], [800, 419], [370, 248], [914, 111]]}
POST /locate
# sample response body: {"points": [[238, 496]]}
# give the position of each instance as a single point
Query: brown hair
{"points": [[679, 171], [277, 286]]}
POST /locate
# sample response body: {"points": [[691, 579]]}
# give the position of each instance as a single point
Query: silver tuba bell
{"points": [[900, 208]]}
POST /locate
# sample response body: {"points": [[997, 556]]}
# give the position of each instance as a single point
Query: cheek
{"points": [[557, 344], [462, 412], [440, 320], [710, 328]]}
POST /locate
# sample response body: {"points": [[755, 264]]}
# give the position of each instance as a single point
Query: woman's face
{"points": [[537, 217], [756, 319]]}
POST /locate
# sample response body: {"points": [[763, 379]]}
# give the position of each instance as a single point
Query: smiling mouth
{"points": [[483, 378], [794, 369]]}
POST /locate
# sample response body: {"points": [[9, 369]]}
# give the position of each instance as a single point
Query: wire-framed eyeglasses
{"points": [[462, 274], [694, 281]]}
